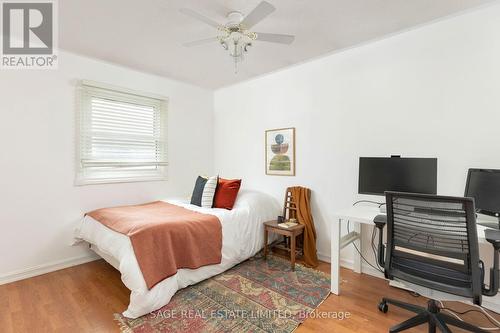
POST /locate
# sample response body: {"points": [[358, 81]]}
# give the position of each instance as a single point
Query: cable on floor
{"points": [[479, 309]]}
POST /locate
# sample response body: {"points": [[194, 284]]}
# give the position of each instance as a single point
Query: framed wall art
{"points": [[280, 152]]}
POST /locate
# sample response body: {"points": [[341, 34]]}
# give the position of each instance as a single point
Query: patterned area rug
{"points": [[254, 296]]}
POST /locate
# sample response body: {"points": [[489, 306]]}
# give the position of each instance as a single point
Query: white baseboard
{"points": [[349, 263], [492, 303], [367, 269], [46, 268], [323, 257]]}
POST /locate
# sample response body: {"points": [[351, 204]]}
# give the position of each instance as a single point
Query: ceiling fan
{"points": [[235, 35]]}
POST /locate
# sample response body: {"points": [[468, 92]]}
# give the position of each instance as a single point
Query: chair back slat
{"points": [[290, 206]]}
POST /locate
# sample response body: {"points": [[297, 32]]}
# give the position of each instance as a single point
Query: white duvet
{"points": [[242, 237]]}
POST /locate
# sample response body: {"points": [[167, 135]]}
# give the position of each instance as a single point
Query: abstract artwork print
{"points": [[280, 152]]}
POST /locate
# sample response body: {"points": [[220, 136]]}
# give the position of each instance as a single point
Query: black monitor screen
{"points": [[414, 175], [484, 186]]}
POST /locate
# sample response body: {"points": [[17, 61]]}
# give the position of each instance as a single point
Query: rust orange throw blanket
{"points": [[302, 198], [165, 237]]}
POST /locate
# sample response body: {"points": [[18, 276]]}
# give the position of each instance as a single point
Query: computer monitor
{"points": [[413, 175], [484, 186]]}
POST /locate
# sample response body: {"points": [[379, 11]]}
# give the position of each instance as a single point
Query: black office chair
{"points": [[432, 243]]}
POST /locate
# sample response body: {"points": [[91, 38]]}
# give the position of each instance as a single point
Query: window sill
{"points": [[100, 181]]}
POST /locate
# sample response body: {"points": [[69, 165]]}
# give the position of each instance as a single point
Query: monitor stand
{"points": [[492, 222]]}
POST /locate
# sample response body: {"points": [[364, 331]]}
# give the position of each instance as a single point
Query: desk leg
{"points": [[265, 243], [359, 244], [335, 277], [292, 251]]}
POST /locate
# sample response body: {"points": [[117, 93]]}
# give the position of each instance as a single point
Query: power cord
{"points": [[413, 293], [373, 246], [380, 204], [361, 255], [490, 318]]}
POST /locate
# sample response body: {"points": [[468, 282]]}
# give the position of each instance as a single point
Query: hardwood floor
{"points": [[360, 294], [83, 299]]}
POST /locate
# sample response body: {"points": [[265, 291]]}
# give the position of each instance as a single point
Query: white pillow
{"points": [[207, 198], [256, 200]]}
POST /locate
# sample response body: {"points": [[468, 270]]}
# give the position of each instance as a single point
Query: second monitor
{"points": [[484, 186]]}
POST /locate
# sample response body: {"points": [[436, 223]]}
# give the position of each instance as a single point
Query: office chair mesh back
{"points": [[434, 242]]}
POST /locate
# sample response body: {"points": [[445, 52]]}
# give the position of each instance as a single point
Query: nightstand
{"points": [[293, 232]]}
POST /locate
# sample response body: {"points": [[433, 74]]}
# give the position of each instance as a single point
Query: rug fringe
{"points": [[123, 326]]}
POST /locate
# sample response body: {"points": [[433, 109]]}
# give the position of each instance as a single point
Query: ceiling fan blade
{"points": [[200, 42], [260, 12], [199, 17], [275, 38]]}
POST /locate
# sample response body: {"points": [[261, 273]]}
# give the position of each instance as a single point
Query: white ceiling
{"points": [[147, 35]]}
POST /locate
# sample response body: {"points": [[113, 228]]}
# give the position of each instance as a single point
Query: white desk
{"points": [[358, 216]]}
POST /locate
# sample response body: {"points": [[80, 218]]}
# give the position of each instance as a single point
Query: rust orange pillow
{"points": [[226, 193]]}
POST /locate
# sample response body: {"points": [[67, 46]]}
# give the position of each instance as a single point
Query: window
{"points": [[122, 136]]}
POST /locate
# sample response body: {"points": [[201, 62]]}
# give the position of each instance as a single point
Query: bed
{"points": [[242, 237]]}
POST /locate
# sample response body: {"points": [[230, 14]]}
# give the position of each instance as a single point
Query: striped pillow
{"points": [[207, 198]]}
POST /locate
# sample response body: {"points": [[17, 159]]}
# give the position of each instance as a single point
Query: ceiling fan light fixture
{"points": [[235, 35]]}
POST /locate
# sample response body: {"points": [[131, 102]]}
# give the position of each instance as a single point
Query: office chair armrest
{"points": [[380, 222], [493, 237]]}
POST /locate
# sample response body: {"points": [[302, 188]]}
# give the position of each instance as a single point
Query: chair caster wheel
{"points": [[383, 307]]}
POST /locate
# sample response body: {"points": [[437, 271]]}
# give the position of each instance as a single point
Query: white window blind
{"points": [[122, 136]]}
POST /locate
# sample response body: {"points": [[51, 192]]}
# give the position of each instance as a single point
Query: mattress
{"points": [[242, 237]]}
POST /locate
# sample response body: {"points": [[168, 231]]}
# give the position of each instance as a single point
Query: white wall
{"points": [[430, 92], [39, 205]]}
